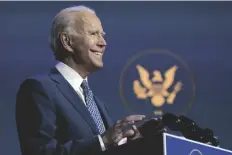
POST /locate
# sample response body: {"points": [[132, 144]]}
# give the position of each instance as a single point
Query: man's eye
{"points": [[93, 33]]}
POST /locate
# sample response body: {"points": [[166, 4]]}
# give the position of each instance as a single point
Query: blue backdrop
{"points": [[199, 32]]}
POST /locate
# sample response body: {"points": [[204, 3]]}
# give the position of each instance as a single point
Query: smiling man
{"points": [[57, 113]]}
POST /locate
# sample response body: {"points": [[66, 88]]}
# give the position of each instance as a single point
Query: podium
{"points": [[166, 144], [174, 145]]}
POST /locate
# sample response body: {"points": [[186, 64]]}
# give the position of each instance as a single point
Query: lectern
{"points": [[166, 144]]}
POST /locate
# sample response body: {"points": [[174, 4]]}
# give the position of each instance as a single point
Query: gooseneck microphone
{"points": [[189, 129]]}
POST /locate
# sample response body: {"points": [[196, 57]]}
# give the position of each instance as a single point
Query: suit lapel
{"points": [[70, 94], [104, 113]]}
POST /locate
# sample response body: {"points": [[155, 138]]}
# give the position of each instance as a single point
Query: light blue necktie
{"points": [[92, 107]]}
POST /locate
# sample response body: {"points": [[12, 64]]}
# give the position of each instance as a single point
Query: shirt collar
{"points": [[73, 78]]}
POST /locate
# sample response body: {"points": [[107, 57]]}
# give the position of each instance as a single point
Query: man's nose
{"points": [[102, 42]]}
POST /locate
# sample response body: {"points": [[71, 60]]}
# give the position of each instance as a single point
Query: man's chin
{"points": [[99, 66], [96, 66]]}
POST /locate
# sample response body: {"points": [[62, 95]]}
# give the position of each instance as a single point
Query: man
{"points": [[58, 113]]}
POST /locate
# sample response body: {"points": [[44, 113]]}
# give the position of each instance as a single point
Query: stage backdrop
{"points": [[188, 51]]}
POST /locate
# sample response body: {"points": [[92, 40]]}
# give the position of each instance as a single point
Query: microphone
{"points": [[189, 129], [151, 127]]}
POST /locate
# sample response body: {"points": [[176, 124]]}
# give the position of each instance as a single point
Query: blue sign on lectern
{"points": [[174, 145]]}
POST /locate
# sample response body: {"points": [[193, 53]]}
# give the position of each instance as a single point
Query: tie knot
{"points": [[85, 85]]}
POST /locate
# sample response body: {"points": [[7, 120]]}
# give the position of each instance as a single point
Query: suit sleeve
{"points": [[36, 125]]}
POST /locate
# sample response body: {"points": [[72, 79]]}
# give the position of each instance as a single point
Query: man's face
{"points": [[89, 45]]}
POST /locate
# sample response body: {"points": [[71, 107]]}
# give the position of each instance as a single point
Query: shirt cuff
{"points": [[121, 142], [101, 143]]}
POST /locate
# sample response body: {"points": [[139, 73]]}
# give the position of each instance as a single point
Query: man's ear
{"points": [[66, 41]]}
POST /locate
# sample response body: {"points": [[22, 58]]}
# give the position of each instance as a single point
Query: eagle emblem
{"points": [[157, 87]]}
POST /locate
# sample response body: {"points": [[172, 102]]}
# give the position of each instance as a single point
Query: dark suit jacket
{"points": [[52, 119]]}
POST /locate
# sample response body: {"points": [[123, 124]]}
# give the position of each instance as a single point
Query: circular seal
{"points": [[159, 80], [195, 152]]}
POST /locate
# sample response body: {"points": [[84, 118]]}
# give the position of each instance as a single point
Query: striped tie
{"points": [[92, 107]]}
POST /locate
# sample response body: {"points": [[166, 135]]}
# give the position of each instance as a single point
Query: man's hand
{"points": [[113, 135], [149, 127]]}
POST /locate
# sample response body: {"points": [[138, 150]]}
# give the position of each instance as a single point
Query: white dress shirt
{"points": [[75, 80]]}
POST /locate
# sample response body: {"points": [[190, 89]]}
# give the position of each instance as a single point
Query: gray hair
{"points": [[64, 23]]}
